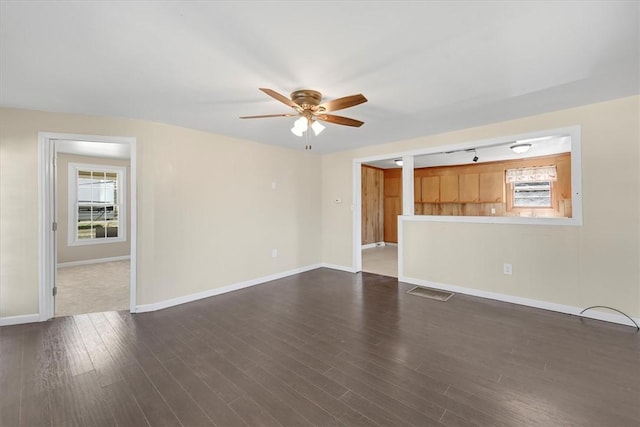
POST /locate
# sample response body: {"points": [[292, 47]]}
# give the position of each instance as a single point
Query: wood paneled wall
{"points": [[392, 203], [372, 205]]}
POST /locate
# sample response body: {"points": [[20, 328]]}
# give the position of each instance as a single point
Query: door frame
{"points": [[407, 202], [47, 215]]}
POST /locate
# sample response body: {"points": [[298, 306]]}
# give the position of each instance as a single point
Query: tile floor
{"points": [[381, 260], [93, 288]]}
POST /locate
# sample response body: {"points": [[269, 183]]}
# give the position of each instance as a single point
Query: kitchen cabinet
{"points": [[492, 187], [430, 189], [469, 188], [448, 188]]}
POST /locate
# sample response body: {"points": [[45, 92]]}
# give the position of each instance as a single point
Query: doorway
{"points": [[88, 224], [381, 203]]}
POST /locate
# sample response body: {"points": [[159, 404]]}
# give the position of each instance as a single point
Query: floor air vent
{"points": [[431, 293]]}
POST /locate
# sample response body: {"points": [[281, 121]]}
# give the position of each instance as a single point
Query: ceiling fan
{"points": [[309, 106]]}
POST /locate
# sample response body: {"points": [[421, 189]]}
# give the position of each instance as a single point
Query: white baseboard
{"points": [[217, 291], [566, 309], [92, 261], [338, 267], [373, 245], [17, 320], [390, 244]]}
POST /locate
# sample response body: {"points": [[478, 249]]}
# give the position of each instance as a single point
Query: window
{"points": [[535, 194], [532, 186], [96, 204]]}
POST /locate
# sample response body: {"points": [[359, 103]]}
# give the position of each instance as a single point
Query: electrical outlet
{"points": [[508, 269], [274, 253], [493, 211]]}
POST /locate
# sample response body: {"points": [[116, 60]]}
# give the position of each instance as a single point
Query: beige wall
{"points": [[595, 264], [207, 215], [209, 218], [68, 253]]}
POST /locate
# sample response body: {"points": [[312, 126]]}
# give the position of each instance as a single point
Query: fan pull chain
{"points": [[308, 135]]}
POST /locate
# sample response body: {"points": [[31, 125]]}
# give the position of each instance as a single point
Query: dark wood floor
{"points": [[322, 348]]}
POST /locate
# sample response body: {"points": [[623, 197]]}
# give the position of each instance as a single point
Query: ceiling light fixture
{"points": [[398, 162], [317, 127], [520, 148], [301, 125]]}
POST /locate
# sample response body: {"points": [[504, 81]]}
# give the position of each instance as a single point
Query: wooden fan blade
{"points": [[341, 103], [339, 120], [281, 98], [268, 115]]}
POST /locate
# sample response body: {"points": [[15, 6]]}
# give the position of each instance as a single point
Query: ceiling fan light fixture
{"points": [[309, 107], [301, 123], [317, 127], [520, 148]]}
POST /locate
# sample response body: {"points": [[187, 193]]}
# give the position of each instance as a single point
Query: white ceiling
{"points": [[426, 67]]}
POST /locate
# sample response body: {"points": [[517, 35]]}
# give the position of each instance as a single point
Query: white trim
{"points": [[93, 261], [560, 308], [400, 250], [390, 244], [18, 320], [573, 131], [576, 175], [223, 290], [133, 224], [339, 267], [46, 242], [408, 208], [46, 214], [490, 219], [373, 245], [576, 178], [72, 202], [356, 220]]}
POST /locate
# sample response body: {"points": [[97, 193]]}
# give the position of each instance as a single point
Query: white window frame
{"points": [[72, 235]]}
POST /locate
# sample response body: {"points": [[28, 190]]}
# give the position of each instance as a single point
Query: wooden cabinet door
{"points": [[469, 187], [430, 189], [417, 190], [392, 208], [448, 188], [492, 187]]}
